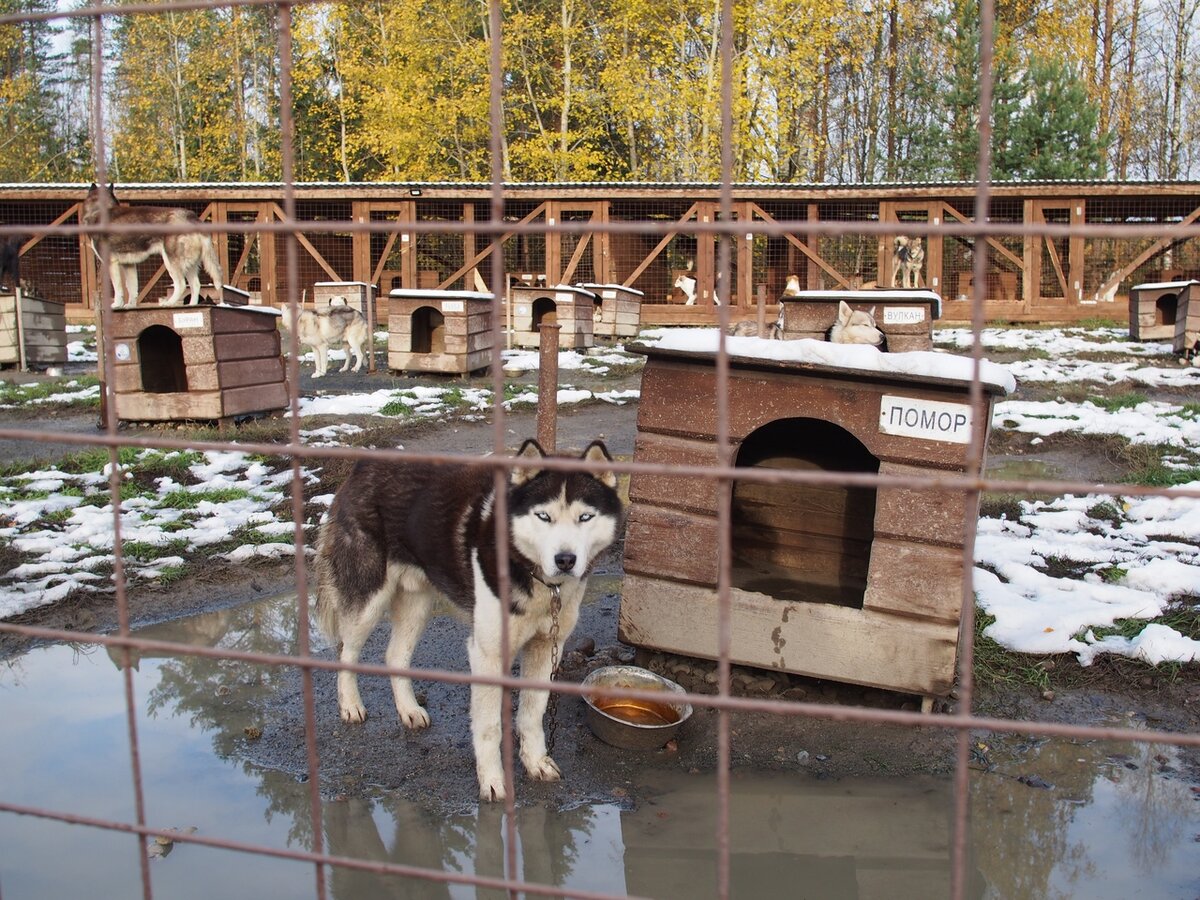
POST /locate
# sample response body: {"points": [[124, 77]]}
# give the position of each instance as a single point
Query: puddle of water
{"points": [[1101, 820]]}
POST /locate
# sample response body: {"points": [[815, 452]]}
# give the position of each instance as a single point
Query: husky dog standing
{"points": [[908, 256], [398, 536], [338, 326], [855, 326], [183, 254]]}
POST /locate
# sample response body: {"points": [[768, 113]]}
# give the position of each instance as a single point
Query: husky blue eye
{"points": [[545, 517], [587, 517]]}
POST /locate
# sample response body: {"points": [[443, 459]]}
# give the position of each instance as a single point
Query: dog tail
{"points": [[327, 601]]}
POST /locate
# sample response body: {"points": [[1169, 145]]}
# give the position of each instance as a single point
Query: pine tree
{"points": [[1054, 132]]}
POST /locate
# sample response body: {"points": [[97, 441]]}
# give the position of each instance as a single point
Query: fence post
{"points": [[547, 406]]}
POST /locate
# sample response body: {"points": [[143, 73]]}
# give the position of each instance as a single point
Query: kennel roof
{"points": [[808, 354]]}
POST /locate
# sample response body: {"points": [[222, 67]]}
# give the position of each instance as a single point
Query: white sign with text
{"points": [[931, 420]]}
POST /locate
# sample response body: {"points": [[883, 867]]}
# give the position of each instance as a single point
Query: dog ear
{"points": [[844, 312], [530, 450], [597, 452], [872, 314]]}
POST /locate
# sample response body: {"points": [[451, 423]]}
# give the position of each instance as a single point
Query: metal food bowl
{"points": [[633, 723]]}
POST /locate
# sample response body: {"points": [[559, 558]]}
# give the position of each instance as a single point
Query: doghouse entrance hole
{"points": [[804, 542], [428, 331], [545, 312], [1164, 309], [160, 352]]}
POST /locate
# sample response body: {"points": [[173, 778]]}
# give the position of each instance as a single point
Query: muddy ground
{"points": [[435, 767]]}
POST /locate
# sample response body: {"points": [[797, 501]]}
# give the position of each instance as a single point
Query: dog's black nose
{"points": [[564, 561]]}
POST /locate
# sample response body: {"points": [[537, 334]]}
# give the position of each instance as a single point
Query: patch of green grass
{"points": [[96, 458], [397, 407], [179, 499], [1000, 506], [1112, 574], [1182, 615], [995, 665], [1095, 322], [58, 517], [1119, 401], [1106, 511], [170, 575], [143, 551], [1158, 475], [18, 394]]}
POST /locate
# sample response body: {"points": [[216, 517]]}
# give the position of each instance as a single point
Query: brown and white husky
{"points": [[183, 254]]}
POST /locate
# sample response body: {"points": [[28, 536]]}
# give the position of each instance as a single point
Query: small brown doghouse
{"points": [[618, 310], [197, 362], [1154, 308], [571, 308], [904, 316], [33, 331], [855, 583], [439, 331], [354, 294], [1187, 322]]}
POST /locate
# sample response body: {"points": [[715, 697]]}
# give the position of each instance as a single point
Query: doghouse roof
{"points": [[816, 356]]}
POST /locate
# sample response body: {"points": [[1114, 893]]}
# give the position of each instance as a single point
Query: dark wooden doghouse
{"points": [[904, 316], [571, 308], [1187, 322], [618, 310], [857, 583], [197, 362], [439, 331], [33, 331], [1154, 308]]}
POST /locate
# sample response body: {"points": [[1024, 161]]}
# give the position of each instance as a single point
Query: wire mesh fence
{"points": [[733, 252]]}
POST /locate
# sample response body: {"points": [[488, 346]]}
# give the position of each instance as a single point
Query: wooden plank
{"points": [[450, 363], [141, 406], [931, 516], [671, 544], [694, 494], [254, 398], [820, 640], [241, 345], [918, 580], [759, 397]]}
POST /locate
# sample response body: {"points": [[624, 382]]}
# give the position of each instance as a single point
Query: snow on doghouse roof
{"points": [[438, 292], [857, 358], [1159, 285], [876, 295]]}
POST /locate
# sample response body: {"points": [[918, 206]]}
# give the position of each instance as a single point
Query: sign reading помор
{"points": [[931, 420]]}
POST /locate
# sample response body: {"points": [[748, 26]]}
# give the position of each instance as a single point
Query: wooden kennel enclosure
{"points": [[618, 310], [857, 583], [571, 308], [439, 331], [197, 362], [1154, 308], [33, 331], [904, 316]]}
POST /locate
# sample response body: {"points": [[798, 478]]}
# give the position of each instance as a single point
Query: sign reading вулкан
{"points": [[927, 419]]}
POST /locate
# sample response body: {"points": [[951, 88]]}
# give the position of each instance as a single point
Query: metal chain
{"points": [[552, 701]]}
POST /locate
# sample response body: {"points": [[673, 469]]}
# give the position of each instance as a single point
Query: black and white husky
{"points": [[400, 535], [183, 254]]}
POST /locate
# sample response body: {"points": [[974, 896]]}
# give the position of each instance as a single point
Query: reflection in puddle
{"points": [[1052, 818]]}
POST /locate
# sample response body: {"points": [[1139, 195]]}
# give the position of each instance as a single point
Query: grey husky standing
{"points": [[183, 254], [400, 535]]}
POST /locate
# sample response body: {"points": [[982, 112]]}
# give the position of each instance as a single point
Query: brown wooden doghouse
{"points": [[197, 362], [860, 584], [1154, 308], [1187, 322], [439, 331], [571, 308], [904, 316], [618, 310], [33, 331]]}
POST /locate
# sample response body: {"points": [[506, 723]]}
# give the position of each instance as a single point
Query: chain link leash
{"points": [[552, 701]]}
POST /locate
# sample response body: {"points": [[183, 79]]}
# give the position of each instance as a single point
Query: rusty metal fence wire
{"points": [[971, 484]]}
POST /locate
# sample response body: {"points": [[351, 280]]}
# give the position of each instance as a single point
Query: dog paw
{"points": [[354, 713], [544, 769], [317, 374], [491, 790], [416, 718]]}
